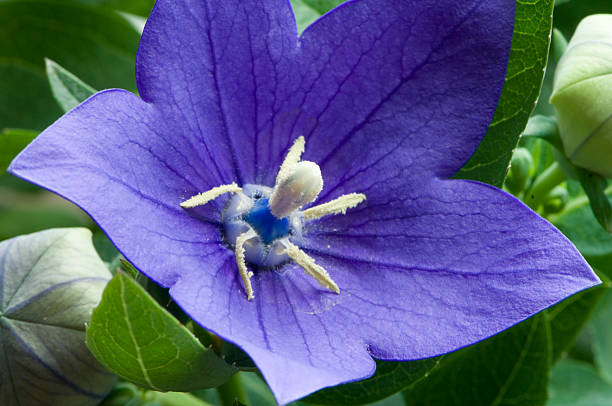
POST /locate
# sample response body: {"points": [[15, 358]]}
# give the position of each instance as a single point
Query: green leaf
{"points": [[158, 293], [67, 89], [105, 248], [576, 383], [304, 14], [323, 6], [141, 342], [49, 284], [602, 336], [545, 128], [97, 45], [523, 82], [510, 368], [569, 317], [133, 272], [594, 186], [395, 400], [256, 389], [12, 141], [389, 378]]}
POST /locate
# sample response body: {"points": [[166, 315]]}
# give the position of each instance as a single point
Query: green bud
{"points": [[520, 170], [582, 95], [556, 200]]}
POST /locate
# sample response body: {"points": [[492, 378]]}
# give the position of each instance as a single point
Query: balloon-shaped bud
{"points": [[582, 95]]}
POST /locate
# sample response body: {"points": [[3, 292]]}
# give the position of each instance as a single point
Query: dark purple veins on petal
{"points": [[392, 97]]}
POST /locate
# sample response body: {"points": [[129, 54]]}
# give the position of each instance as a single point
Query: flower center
{"points": [[249, 213], [268, 227], [263, 225]]}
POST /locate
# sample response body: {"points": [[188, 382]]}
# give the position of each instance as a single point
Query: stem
{"points": [[543, 184], [231, 391]]}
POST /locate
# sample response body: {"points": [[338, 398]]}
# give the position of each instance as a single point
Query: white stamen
{"points": [[297, 183], [336, 206], [205, 197], [302, 185], [245, 274], [309, 266], [292, 158]]}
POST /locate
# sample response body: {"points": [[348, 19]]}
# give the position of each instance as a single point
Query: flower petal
{"points": [[385, 92], [214, 68], [417, 277], [287, 329], [113, 156], [399, 84], [426, 276]]}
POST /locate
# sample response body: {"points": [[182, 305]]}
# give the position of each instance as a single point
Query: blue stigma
{"points": [[268, 227]]}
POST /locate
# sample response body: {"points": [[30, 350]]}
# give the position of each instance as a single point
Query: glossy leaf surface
{"points": [[67, 89], [141, 342], [524, 77]]}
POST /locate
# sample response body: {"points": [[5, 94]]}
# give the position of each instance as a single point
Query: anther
{"points": [[205, 197], [293, 157], [308, 265], [336, 206], [301, 185], [245, 274], [297, 183]]}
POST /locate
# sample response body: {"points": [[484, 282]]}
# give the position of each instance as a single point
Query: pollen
{"points": [[293, 157], [245, 274], [336, 206], [203, 198], [312, 269], [297, 183]]}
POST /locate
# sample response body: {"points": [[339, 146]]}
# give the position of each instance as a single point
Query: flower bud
{"points": [[556, 200], [582, 95], [520, 170]]}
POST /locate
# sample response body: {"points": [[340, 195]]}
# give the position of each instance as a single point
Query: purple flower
{"points": [[391, 97]]}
